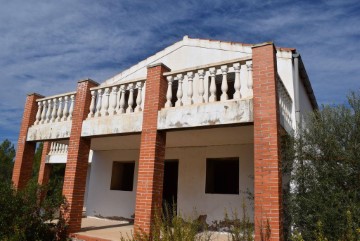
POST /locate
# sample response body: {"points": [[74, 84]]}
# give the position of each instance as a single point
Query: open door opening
{"points": [[170, 186]]}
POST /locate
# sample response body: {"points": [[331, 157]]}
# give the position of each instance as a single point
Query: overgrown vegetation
{"points": [[7, 154], [23, 214], [238, 229], [25, 217], [172, 226], [324, 161]]}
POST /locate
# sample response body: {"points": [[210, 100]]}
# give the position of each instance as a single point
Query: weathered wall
{"points": [[191, 184], [305, 105], [100, 199], [192, 178]]}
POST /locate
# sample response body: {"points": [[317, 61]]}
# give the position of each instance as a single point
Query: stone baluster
{"points": [[281, 104], [130, 99], [169, 91], [54, 110], [56, 148], [122, 99], [212, 97], [66, 148], [66, 108], [92, 104], [113, 100], [179, 93], [43, 113], [51, 148], [237, 83], [71, 109], [63, 148], [38, 113], [190, 76], [224, 83], [250, 79], [201, 74], [99, 102], [59, 109], [105, 107], [138, 97], [118, 98], [49, 111]]}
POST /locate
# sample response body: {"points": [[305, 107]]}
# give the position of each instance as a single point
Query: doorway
{"points": [[170, 186]]}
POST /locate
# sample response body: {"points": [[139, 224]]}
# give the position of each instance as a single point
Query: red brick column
{"points": [[25, 150], [45, 168], [77, 158], [152, 151], [267, 163]]}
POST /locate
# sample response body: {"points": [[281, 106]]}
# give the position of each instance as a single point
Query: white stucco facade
{"points": [[191, 154]]}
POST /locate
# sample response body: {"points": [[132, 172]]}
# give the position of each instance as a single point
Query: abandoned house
{"points": [[197, 124]]}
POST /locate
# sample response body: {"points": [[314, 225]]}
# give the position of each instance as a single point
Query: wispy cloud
{"points": [[46, 46]]}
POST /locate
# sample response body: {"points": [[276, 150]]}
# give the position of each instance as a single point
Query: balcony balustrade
{"points": [[220, 93], [214, 94], [285, 106], [115, 109], [53, 117], [58, 153]]}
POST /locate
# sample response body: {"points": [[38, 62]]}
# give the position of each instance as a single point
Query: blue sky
{"points": [[46, 46]]}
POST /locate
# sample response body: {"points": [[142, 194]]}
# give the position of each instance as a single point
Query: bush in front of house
{"points": [[24, 216]]}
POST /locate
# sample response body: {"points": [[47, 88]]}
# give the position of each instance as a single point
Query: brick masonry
{"points": [[25, 150], [152, 151], [267, 163], [77, 158], [45, 169]]}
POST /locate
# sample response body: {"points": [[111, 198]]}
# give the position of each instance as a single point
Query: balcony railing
{"points": [[219, 93], [56, 108], [115, 109], [57, 153], [116, 99], [216, 82], [53, 117], [285, 106]]}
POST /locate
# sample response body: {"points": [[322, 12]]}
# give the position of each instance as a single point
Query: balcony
{"points": [[216, 94], [210, 95], [53, 117], [115, 109], [57, 153]]}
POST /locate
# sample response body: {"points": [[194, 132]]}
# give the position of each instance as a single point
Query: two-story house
{"points": [[197, 124]]}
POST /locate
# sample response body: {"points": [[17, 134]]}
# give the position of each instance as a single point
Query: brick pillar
{"points": [[25, 150], [267, 163], [45, 168], [152, 151], [77, 158]]}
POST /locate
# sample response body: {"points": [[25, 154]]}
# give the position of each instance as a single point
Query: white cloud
{"points": [[46, 46]]}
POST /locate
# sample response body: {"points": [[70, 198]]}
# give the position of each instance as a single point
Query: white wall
{"points": [[100, 199], [305, 104], [285, 68], [191, 183], [192, 177]]}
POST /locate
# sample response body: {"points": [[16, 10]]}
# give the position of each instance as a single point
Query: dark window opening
{"points": [[174, 88], [122, 177], [222, 175], [230, 82]]}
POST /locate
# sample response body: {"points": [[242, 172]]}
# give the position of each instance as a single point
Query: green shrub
{"points": [[24, 216]]}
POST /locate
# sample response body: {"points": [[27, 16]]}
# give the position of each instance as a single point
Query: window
{"points": [[122, 177], [222, 175]]}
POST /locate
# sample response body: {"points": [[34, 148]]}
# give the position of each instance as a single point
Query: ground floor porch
{"points": [[207, 172]]}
